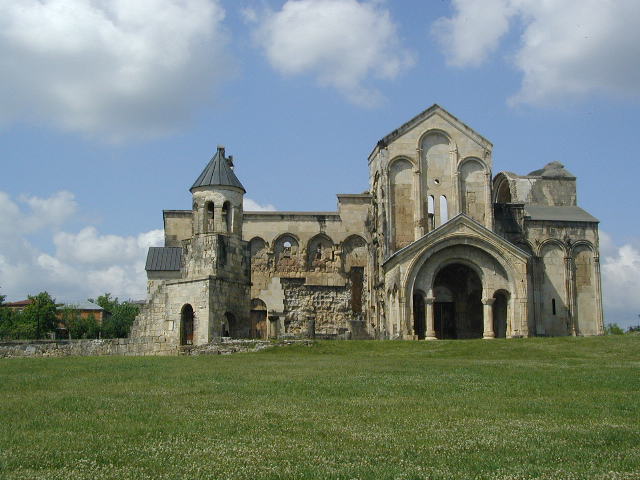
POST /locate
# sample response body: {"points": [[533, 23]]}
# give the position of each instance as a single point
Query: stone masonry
{"points": [[438, 247]]}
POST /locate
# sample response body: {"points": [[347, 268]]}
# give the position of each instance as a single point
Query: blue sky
{"points": [[110, 109]]}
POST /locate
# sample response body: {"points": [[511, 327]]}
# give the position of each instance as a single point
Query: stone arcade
{"points": [[438, 248]]}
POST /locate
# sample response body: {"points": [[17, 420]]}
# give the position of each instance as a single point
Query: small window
{"points": [[553, 305], [226, 216], [444, 214]]}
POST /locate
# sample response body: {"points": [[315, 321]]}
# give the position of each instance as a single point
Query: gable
{"points": [[435, 110], [460, 226]]}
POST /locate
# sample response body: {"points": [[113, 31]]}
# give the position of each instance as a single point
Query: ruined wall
{"points": [[65, 348], [310, 252]]}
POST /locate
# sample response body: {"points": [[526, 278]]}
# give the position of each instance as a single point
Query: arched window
{"points": [[431, 213], [444, 213], [209, 215], [226, 216]]}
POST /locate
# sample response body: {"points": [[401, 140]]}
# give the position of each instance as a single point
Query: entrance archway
{"points": [[419, 327], [230, 325], [258, 319], [458, 309], [186, 325], [500, 307]]}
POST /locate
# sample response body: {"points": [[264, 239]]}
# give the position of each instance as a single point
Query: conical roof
{"points": [[218, 173]]}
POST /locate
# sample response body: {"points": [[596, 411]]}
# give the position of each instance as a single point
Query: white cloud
{"points": [[110, 68], [253, 206], [85, 264], [568, 48], [620, 280], [342, 43], [465, 37]]}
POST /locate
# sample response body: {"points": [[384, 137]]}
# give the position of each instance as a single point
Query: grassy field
{"points": [[566, 408]]}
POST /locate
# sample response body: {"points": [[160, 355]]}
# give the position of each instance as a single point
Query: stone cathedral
{"points": [[438, 248]]}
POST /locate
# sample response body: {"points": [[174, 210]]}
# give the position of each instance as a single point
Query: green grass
{"points": [[566, 408]]}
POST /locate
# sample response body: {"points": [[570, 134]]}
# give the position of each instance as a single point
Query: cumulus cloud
{"points": [[115, 69], [567, 49], [84, 264], [253, 206], [620, 267], [342, 43]]}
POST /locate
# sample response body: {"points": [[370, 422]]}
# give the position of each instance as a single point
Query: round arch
{"points": [[433, 131], [501, 189], [468, 160], [456, 249], [400, 158], [186, 324], [551, 242]]}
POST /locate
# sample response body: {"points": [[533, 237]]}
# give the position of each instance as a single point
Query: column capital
{"points": [[488, 301], [429, 300]]}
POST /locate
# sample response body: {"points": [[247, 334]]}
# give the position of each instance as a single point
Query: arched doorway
{"points": [[458, 310], [229, 328], [186, 325], [419, 327], [258, 319], [500, 306]]}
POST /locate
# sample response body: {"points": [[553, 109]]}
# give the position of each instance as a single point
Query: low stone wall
{"points": [[131, 346], [228, 346], [64, 348]]}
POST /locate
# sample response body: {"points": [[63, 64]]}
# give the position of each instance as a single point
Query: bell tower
{"points": [[217, 198]]}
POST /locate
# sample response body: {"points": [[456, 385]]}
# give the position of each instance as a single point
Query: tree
{"points": [[613, 329], [118, 323], [39, 317]]}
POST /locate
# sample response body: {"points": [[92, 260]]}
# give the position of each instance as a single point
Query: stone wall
{"points": [[131, 346], [318, 311], [65, 348]]}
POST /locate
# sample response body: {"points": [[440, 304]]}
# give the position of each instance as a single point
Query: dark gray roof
{"points": [[558, 214], [163, 259], [218, 173]]}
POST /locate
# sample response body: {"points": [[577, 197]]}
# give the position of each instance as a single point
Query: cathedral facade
{"points": [[438, 248]]}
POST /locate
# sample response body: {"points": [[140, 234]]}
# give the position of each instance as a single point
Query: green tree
{"points": [[613, 329], [39, 317], [6, 320], [77, 325], [121, 316]]}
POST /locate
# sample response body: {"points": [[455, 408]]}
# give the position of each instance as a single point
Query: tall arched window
{"points": [[431, 212], [444, 212], [209, 216], [226, 216]]}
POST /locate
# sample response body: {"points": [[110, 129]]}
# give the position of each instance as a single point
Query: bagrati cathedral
{"points": [[438, 248]]}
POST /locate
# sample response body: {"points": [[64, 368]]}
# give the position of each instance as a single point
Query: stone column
{"points": [[488, 210], [570, 294], [599, 314], [418, 214], [430, 331], [487, 304]]}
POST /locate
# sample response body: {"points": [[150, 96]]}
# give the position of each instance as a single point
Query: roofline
{"points": [[444, 225], [402, 129], [268, 213]]}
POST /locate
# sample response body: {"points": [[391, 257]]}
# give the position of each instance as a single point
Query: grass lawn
{"points": [[564, 408]]}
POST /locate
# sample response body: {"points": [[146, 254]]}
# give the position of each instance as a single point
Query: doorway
{"points": [[458, 309], [186, 325]]}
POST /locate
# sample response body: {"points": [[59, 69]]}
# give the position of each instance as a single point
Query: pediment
{"points": [[423, 117], [459, 229]]}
